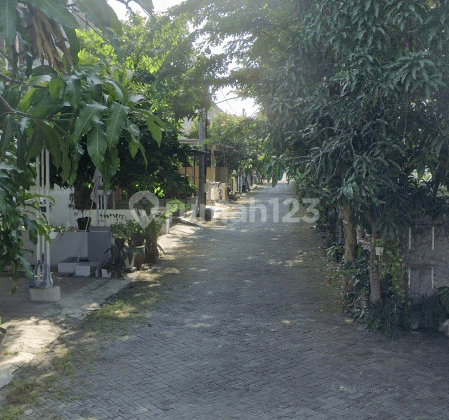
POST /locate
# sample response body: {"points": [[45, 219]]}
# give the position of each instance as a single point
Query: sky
{"points": [[224, 97]]}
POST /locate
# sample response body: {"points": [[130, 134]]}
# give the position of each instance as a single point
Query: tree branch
{"points": [[11, 110], [7, 78]]}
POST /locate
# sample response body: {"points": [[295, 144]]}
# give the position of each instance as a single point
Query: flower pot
{"points": [[105, 273], [129, 261], [83, 223], [53, 234]]}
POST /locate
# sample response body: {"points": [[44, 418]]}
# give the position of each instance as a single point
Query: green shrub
{"points": [[394, 314], [356, 298]]}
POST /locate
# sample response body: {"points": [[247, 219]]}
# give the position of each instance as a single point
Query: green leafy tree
{"points": [[160, 51], [240, 140], [170, 80], [386, 112], [47, 101], [169, 77], [375, 119], [356, 93]]}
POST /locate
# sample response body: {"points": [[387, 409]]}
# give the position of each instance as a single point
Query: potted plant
{"points": [[114, 263], [81, 201], [53, 234], [129, 256], [134, 240], [59, 229], [129, 239]]}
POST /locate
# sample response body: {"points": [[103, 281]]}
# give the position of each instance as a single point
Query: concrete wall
{"points": [[85, 245], [427, 259], [222, 174], [62, 215], [70, 244], [216, 174], [215, 192], [60, 212], [79, 244]]}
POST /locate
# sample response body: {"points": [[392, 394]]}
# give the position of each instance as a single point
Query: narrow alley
{"points": [[247, 329]]}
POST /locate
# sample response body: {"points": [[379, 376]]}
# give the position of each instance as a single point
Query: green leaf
{"points": [[35, 145], [5, 206], [348, 191], [8, 167], [56, 10], [116, 42], [48, 106], [145, 4], [133, 146], [116, 122], [25, 103], [55, 86], [155, 129], [25, 265], [101, 14], [97, 143], [110, 166], [133, 129], [41, 103], [89, 114], [116, 89], [9, 128], [74, 90], [52, 140], [376, 9], [74, 42], [8, 20]]}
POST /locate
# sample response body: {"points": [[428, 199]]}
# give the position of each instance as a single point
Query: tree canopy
{"points": [[239, 141], [170, 79]]}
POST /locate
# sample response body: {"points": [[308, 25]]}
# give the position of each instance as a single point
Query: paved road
{"points": [[247, 331]]}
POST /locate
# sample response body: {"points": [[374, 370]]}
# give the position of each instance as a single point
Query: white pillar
{"points": [[43, 189]]}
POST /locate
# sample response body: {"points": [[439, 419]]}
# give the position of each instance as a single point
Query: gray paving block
{"points": [[241, 333]]}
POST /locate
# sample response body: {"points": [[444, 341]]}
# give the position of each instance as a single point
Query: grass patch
{"points": [[128, 307], [23, 391], [8, 353], [65, 363], [29, 389], [10, 413]]}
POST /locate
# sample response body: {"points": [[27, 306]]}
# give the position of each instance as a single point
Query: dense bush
{"points": [[395, 313]]}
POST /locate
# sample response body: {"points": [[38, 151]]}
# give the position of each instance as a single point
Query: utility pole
{"points": [[202, 165]]}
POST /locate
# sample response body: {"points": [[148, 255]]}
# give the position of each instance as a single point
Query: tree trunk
{"points": [[374, 280], [350, 233], [350, 238], [332, 220], [151, 249]]}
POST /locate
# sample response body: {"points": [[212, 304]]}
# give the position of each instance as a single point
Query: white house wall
{"points": [[62, 215]]}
